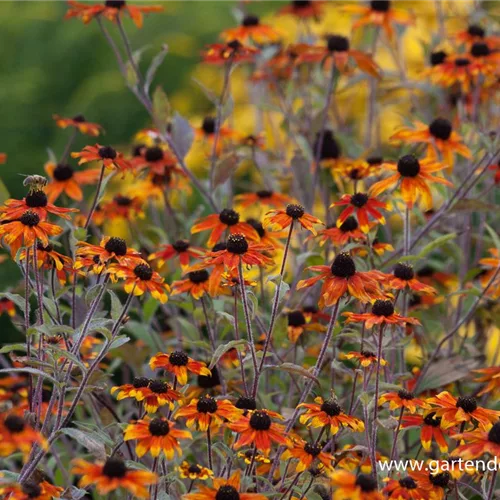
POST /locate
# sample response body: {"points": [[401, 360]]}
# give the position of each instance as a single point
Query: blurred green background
{"points": [[51, 65]]}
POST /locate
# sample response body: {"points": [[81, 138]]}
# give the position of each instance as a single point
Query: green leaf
{"points": [[33, 371], [283, 289], [468, 205], [153, 67], [116, 305], [88, 441], [182, 135], [494, 236], [433, 245], [12, 347], [161, 106], [222, 349], [4, 192], [17, 299], [225, 167], [119, 341]]}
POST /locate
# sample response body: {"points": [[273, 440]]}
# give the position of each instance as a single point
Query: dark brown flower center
{"points": [[209, 381], [296, 318], [159, 427], [404, 271], [178, 358], [383, 308], [380, 5], [330, 149], [218, 247], [337, 43], [300, 4], [350, 224], [257, 226], [331, 407], [154, 154], [107, 153], [31, 489], [29, 218], [432, 420], [208, 125], [229, 217], [366, 483], [198, 276], [312, 449], [476, 30], [114, 468], [143, 272], [63, 172], [480, 49], [140, 382], [116, 245], [237, 244], [438, 57], [404, 394], [206, 404], [122, 201], [359, 199], [408, 483], [467, 403], [368, 354], [295, 211], [343, 266], [42, 248], [158, 387], [441, 128], [264, 194], [246, 403], [79, 119], [115, 4], [194, 469], [260, 421], [14, 424], [227, 492], [36, 199], [408, 166], [461, 62], [180, 246], [441, 479], [250, 20], [494, 434]]}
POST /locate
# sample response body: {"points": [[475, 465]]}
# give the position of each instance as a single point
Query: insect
{"points": [[35, 182]]}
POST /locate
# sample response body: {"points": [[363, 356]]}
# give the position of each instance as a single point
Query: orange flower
{"points": [[251, 30], [439, 136], [337, 52], [178, 363], [194, 471], [223, 488], [380, 13], [277, 220], [237, 250], [105, 154], [329, 413], [64, 179], [48, 258], [464, 409], [430, 429], [113, 474], [36, 201], [137, 389], [365, 358], [382, 314], [125, 207], [304, 9], [340, 278], [405, 489], [256, 428], [140, 279], [158, 393], [492, 263], [181, 249], [3, 158], [207, 131], [490, 375], [7, 306], [31, 490], [156, 435], [479, 442], [307, 453], [363, 206], [269, 239], [17, 435], [414, 175], [342, 234], [26, 230], [297, 324], [110, 249], [229, 53], [402, 399], [264, 197], [208, 412], [227, 220], [157, 159], [403, 278], [360, 487], [111, 9], [78, 122]]}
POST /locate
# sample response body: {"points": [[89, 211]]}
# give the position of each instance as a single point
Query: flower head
{"points": [[402, 399], [277, 220], [80, 123], [178, 363]]}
